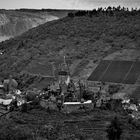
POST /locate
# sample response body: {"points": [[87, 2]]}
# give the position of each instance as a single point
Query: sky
{"points": [[66, 4]]}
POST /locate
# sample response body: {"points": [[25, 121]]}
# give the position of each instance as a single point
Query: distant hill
{"points": [[84, 40], [15, 22]]}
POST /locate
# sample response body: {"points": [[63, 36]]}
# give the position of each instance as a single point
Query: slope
{"points": [[15, 22], [85, 40]]}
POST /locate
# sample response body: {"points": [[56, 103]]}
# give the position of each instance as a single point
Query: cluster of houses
{"points": [[66, 94], [67, 97]]}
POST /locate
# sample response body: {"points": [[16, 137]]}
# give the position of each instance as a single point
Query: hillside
{"points": [[15, 22], [84, 40], [43, 124]]}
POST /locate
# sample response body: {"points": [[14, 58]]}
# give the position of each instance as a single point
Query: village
{"points": [[67, 96]]}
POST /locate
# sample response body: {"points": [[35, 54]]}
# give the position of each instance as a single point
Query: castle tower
{"points": [[64, 73]]}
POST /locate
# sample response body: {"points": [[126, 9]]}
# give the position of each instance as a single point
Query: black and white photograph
{"points": [[69, 69]]}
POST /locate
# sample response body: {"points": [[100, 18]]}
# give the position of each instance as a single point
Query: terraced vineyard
{"points": [[125, 72]]}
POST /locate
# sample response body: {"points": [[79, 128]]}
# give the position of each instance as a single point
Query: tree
{"points": [[71, 15], [114, 130]]}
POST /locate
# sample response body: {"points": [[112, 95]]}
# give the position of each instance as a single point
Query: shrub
{"points": [[24, 107], [49, 131], [70, 15], [30, 96], [113, 89], [9, 131]]}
